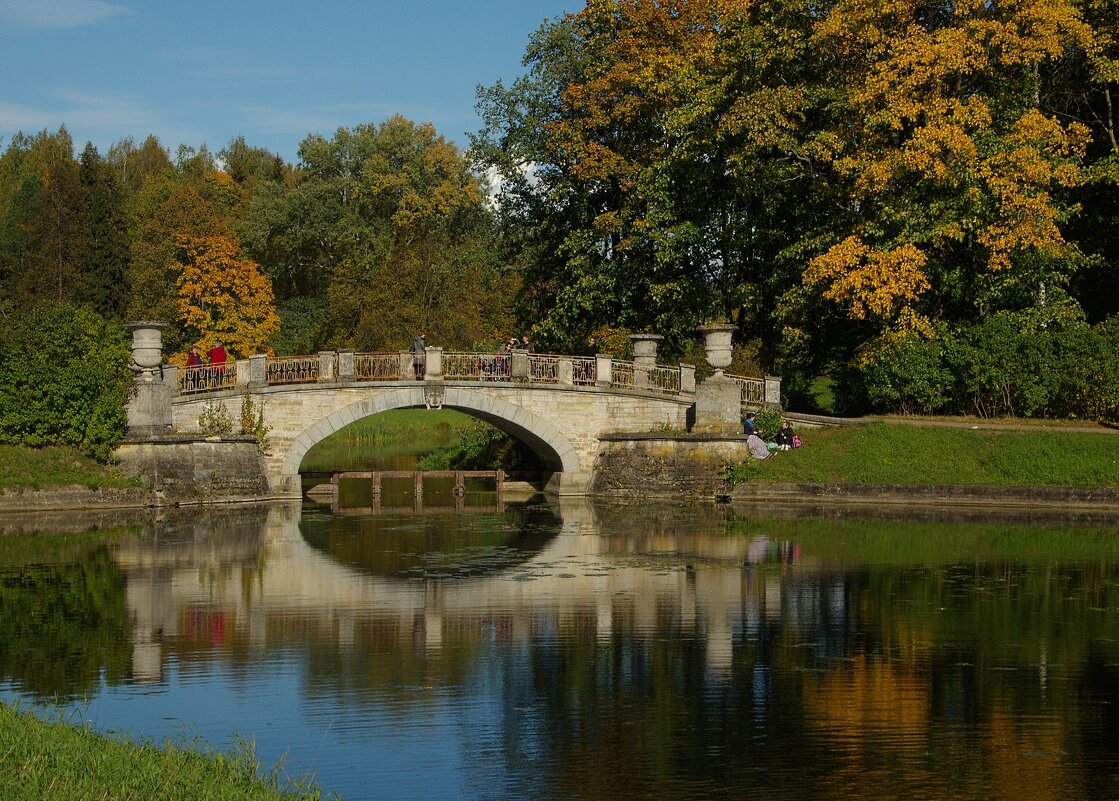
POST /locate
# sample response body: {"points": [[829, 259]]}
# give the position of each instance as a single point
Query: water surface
{"points": [[577, 651]]}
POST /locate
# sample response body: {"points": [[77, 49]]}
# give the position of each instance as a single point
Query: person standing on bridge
{"points": [[419, 356], [193, 371]]}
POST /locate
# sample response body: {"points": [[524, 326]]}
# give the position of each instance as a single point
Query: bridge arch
{"points": [[553, 448]]}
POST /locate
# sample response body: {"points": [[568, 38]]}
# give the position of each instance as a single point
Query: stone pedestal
{"points": [[518, 365], [604, 370], [326, 366], [149, 406], [346, 366], [718, 406]]}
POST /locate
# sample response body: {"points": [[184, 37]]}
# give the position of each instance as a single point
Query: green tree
{"points": [[133, 166], [107, 257], [164, 211], [386, 228]]}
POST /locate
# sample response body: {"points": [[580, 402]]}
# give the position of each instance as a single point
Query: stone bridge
{"points": [[559, 406]]}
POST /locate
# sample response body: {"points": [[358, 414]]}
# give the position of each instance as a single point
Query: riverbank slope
{"points": [[55, 759]]}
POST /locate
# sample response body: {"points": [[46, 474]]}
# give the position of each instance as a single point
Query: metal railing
{"points": [[292, 370], [207, 377], [657, 378], [475, 366], [584, 371], [543, 369], [535, 368], [753, 389], [377, 366]]}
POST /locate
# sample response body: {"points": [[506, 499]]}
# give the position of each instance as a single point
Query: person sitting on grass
{"points": [[749, 425], [757, 446], [785, 436]]}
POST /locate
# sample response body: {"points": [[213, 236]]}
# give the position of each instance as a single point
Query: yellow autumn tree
{"points": [[224, 296], [950, 161]]}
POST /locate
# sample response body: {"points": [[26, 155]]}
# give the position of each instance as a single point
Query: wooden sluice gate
{"points": [[375, 478]]}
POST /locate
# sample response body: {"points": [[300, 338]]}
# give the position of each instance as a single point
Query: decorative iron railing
{"points": [[753, 389], [661, 379], [472, 366], [658, 378], [543, 369], [207, 377], [376, 366], [292, 370], [584, 371], [531, 368]]}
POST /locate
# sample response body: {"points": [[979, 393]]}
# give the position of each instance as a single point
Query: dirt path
{"points": [[981, 425]]}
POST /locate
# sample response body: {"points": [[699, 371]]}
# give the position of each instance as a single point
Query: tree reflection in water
{"points": [[650, 651]]}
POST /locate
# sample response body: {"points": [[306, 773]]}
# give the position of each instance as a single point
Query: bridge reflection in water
{"points": [[564, 650], [516, 568]]}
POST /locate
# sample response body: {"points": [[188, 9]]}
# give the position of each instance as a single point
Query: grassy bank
{"points": [[43, 467], [52, 760], [885, 453], [380, 438]]}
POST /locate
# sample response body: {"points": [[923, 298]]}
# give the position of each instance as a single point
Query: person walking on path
{"points": [[193, 372], [217, 355], [419, 356]]}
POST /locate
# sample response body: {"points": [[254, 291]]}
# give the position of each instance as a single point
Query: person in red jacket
{"points": [[217, 357]]}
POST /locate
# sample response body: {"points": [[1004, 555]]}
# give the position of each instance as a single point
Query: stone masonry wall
{"points": [[685, 465], [191, 469]]}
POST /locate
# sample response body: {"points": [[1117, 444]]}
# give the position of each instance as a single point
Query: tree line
{"points": [[867, 189], [914, 203], [377, 232]]}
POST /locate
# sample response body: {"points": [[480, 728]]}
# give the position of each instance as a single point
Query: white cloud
{"points": [[58, 13], [102, 119]]}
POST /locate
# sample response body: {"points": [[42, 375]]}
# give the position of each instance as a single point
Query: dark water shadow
{"points": [[432, 544]]}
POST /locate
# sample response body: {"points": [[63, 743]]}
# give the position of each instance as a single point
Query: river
{"points": [[555, 649]]}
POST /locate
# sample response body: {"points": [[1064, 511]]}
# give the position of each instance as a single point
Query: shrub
{"points": [[252, 421], [65, 375], [215, 419], [767, 422], [909, 377]]}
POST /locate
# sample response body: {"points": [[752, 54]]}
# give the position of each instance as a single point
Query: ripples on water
{"points": [[575, 651]]}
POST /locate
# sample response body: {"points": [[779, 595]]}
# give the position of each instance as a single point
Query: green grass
{"points": [[883, 453], [382, 436], [42, 759], [43, 467]]}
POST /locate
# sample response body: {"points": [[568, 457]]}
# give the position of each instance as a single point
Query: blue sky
{"points": [[203, 72]]}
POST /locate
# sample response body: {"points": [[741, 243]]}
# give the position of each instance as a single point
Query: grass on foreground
{"points": [[53, 760], [42, 467], [882, 453]]}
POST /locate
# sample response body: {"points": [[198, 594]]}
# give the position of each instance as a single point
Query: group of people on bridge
{"points": [[496, 366], [205, 374]]}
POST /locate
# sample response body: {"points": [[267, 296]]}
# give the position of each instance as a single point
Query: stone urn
{"points": [[147, 344], [645, 349], [717, 343]]}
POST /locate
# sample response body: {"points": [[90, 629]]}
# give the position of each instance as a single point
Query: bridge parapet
{"points": [[519, 367], [532, 368]]}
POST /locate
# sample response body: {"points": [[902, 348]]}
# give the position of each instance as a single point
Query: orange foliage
{"points": [[224, 296], [872, 284]]}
